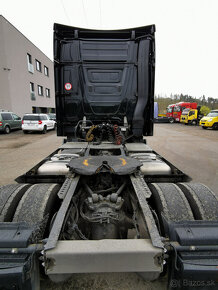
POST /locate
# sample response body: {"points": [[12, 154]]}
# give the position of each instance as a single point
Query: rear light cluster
{"points": [[0, 123], [39, 122]]}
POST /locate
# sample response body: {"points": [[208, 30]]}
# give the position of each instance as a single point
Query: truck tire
{"points": [[203, 201], [10, 195], [172, 120], [169, 201], [37, 206], [194, 122], [7, 130]]}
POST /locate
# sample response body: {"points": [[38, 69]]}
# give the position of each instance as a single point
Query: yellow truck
{"points": [[190, 116], [210, 121]]}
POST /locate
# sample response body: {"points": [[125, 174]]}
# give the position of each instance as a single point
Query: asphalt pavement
{"points": [[20, 152], [191, 149]]}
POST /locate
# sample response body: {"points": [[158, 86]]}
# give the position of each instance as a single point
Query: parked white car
{"points": [[37, 122]]}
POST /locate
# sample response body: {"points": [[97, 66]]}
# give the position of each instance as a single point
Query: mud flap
{"points": [[194, 256], [18, 263]]}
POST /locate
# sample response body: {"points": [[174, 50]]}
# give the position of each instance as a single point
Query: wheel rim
{"points": [[7, 130]]}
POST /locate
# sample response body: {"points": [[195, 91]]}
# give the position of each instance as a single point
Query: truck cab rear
{"points": [[104, 201]]}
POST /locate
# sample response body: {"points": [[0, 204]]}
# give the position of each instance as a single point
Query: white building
{"points": [[26, 74]]}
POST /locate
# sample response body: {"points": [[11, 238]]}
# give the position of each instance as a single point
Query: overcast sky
{"points": [[186, 37]]}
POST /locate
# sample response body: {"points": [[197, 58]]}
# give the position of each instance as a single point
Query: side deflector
{"points": [[104, 76]]}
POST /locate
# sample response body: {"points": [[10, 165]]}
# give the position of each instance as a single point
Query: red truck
{"points": [[169, 113], [179, 107]]}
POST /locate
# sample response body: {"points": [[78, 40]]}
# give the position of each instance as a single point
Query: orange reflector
{"points": [[123, 161], [86, 162]]}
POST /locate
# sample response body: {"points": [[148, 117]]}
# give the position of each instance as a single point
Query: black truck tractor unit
{"points": [[104, 201]]}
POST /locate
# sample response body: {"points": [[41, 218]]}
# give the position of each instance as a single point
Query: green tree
{"points": [[204, 110]]}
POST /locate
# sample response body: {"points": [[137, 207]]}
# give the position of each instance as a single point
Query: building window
{"points": [[47, 93], [29, 63], [46, 71], [32, 93], [38, 66], [29, 58], [40, 90], [31, 87]]}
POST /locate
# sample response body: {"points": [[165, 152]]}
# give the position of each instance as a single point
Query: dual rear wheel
{"points": [[33, 204], [184, 201]]}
